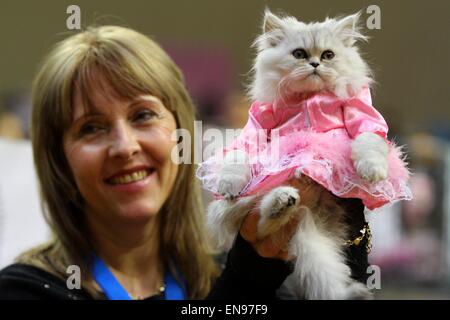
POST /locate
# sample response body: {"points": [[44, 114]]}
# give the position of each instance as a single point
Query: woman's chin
{"points": [[137, 214]]}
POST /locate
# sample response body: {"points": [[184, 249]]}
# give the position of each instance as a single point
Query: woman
{"points": [[105, 104]]}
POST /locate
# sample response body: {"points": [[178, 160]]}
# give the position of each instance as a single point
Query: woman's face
{"points": [[120, 155]]}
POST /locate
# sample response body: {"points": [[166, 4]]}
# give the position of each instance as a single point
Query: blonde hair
{"points": [[132, 64]]}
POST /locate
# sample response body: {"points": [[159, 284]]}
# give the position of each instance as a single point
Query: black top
{"points": [[245, 275]]}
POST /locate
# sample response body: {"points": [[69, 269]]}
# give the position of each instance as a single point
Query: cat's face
{"points": [[294, 57]]}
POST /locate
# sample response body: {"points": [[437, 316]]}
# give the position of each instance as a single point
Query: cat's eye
{"points": [[299, 54], [327, 55]]}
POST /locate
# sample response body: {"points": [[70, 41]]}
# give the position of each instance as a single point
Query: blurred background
{"points": [[211, 42]]}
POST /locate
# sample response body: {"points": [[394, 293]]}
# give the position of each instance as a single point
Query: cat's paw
{"points": [[279, 200], [370, 157], [230, 185], [372, 170], [276, 209]]}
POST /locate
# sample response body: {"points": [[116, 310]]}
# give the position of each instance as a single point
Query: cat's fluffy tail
{"points": [[320, 268]]}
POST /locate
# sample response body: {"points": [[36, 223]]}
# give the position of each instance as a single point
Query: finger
{"points": [[250, 226], [270, 249], [283, 235], [267, 248], [284, 255], [288, 230]]}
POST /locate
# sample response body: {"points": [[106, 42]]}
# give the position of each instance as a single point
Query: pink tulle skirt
{"points": [[323, 156]]}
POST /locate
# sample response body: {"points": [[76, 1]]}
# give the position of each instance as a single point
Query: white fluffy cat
{"points": [[291, 58]]}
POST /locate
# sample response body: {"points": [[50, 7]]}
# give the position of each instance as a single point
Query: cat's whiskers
{"points": [[301, 71], [281, 87]]}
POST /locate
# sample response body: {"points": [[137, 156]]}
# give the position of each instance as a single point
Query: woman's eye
{"points": [[91, 128], [299, 54], [327, 55], [144, 115]]}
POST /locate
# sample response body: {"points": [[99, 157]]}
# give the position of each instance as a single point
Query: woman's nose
{"points": [[125, 143]]}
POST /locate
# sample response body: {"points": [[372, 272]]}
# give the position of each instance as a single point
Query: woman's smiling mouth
{"points": [[130, 177]]}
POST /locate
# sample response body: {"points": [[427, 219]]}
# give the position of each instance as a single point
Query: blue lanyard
{"points": [[114, 290]]}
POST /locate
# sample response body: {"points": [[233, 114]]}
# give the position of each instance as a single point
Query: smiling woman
{"points": [[120, 154], [105, 104]]}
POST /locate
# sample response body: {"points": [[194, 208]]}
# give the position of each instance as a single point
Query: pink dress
{"points": [[313, 133]]}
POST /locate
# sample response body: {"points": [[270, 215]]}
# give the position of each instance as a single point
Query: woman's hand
{"points": [[274, 245]]}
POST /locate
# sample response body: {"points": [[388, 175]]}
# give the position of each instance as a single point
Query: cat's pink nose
{"points": [[314, 64]]}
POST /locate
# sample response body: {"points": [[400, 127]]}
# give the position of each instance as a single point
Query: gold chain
{"points": [[365, 233]]}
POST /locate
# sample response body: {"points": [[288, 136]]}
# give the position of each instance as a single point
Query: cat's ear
{"points": [[348, 29], [271, 22], [273, 31]]}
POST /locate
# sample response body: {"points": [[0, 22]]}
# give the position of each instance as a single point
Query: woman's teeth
{"points": [[132, 177]]}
